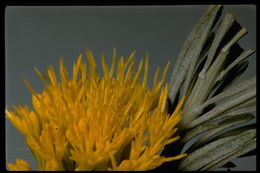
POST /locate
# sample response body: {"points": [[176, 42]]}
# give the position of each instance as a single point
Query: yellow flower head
{"points": [[19, 165], [87, 122]]}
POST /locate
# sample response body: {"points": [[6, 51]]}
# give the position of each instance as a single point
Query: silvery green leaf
{"points": [[217, 149], [235, 89], [249, 146], [205, 83], [200, 65], [222, 30], [247, 107], [197, 131], [224, 106], [235, 131], [220, 128], [229, 79], [242, 89], [191, 49], [216, 107], [250, 153], [233, 64]]}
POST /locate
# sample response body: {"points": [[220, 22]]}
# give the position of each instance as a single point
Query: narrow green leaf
{"points": [[197, 131], [224, 106], [250, 153], [230, 78], [237, 61], [220, 128], [234, 132], [245, 108], [238, 88], [215, 150], [249, 146], [191, 49]]}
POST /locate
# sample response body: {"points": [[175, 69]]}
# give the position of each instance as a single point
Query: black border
{"points": [[6, 3]]}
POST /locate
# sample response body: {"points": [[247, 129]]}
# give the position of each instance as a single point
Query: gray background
{"points": [[39, 36]]}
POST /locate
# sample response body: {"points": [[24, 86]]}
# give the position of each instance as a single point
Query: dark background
{"points": [[39, 36]]}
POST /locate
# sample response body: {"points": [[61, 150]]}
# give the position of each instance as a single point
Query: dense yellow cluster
{"points": [[87, 122]]}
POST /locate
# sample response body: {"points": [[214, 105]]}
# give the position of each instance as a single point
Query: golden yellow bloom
{"points": [[20, 165], [87, 122]]}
